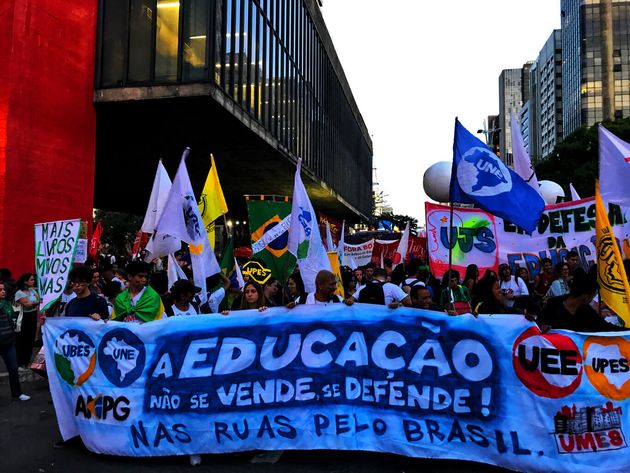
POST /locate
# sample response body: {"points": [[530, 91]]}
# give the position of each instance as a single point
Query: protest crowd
{"points": [[158, 282]]}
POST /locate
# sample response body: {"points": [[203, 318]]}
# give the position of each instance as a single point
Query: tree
{"points": [[576, 159], [118, 229]]}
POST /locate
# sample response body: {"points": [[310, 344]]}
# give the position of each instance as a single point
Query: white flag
{"points": [[401, 252], [161, 187], [239, 275], [340, 244], [174, 271], [522, 163], [305, 242], [574, 194], [614, 168], [181, 219]]}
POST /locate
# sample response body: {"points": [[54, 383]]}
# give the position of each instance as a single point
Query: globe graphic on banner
{"points": [[481, 173], [75, 357]]}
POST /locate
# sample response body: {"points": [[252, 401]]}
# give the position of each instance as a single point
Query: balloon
{"points": [[550, 191], [437, 181]]}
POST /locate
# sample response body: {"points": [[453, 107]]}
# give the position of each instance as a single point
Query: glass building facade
{"points": [[268, 57], [510, 100], [582, 45]]}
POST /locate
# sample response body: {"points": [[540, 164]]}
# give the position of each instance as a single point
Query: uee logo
{"points": [[102, 407], [549, 365]]}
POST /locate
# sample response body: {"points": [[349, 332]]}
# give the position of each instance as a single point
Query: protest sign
{"points": [[486, 240], [55, 244], [491, 389], [80, 256], [361, 253], [386, 249]]}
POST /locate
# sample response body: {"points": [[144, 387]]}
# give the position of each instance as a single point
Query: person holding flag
{"points": [[139, 302]]}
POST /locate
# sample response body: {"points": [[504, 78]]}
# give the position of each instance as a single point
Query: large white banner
{"points": [[492, 389], [485, 240], [361, 253], [55, 244]]}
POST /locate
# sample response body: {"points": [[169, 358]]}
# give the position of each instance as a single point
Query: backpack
{"points": [[302, 299], [373, 293]]}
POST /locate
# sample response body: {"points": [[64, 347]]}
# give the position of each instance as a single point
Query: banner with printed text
{"points": [[386, 249], [482, 239], [55, 245], [491, 389], [361, 253]]}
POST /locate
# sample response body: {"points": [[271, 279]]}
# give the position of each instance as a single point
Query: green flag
{"points": [[268, 225]]}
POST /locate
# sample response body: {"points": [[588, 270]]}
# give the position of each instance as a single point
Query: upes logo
{"points": [[75, 357], [257, 272], [549, 365], [102, 407], [607, 366]]}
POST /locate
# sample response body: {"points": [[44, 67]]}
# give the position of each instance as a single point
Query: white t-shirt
{"points": [[518, 289], [414, 281], [391, 292], [310, 299], [176, 312]]}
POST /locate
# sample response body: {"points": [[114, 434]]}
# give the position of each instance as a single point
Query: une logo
{"points": [[482, 174]]}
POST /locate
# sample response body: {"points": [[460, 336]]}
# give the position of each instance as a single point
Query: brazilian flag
{"points": [[264, 215]]}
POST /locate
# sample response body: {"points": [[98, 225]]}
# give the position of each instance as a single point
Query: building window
{"points": [[140, 27], [114, 42], [167, 40], [196, 38]]}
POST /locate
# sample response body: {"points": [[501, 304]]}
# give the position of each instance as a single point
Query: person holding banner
{"points": [[27, 297], [86, 303], [183, 292], [325, 287], [294, 287], [253, 298], [139, 302], [544, 279], [454, 298]]}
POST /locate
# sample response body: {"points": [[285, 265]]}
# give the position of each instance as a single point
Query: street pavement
{"points": [[28, 431]]}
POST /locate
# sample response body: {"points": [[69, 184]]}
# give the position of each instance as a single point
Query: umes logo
{"points": [[121, 356], [481, 173], [549, 365], [75, 357]]}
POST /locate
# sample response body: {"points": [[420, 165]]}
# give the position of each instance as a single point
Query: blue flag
{"points": [[479, 177]]}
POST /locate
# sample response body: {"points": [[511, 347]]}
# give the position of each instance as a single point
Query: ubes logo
{"points": [[75, 357], [607, 366], [549, 365], [121, 356], [101, 407]]}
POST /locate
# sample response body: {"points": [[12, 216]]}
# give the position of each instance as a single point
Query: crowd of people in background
{"points": [[560, 297]]}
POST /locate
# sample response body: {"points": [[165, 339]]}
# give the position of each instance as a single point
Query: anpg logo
{"points": [[75, 357], [121, 356], [481, 173]]}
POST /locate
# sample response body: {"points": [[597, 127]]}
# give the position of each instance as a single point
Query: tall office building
{"points": [[595, 61], [510, 100], [545, 98]]}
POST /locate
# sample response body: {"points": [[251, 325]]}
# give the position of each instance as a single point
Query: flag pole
{"points": [[450, 251]]}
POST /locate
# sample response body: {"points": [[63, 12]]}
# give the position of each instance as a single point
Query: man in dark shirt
{"points": [[421, 299], [86, 304], [573, 312]]}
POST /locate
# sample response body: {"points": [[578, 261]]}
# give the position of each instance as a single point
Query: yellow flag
{"points": [[333, 257], [212, 203], [611, 275]]}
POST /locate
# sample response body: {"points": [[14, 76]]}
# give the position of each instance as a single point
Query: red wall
{"points": [[47, 120]]}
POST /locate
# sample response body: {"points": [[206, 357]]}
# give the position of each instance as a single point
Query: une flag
{"points": [[305, 241], [479, 177], [611, 275], [522, 162], [614, 168], [181, 219]]}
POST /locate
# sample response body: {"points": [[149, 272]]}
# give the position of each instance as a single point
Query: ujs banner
{"points": [[492, 389], [55, 244], [482, 239]]}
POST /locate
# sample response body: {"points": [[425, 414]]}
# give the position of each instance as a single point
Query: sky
{"points": [[415, 65]]}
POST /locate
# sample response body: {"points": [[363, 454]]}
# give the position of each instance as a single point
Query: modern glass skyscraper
{"points": [[595, 61], [510, 100]]}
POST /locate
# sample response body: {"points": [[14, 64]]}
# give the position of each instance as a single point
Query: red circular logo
{"points": [[549, 365], [397, 258]]}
